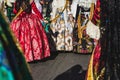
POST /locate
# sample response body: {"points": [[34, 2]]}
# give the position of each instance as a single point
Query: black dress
{"points": [[110, 22]]}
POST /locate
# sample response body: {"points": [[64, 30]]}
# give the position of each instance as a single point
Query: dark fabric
{"points": [[10, 13], [14, 54], [85, 44], [110, 21]]}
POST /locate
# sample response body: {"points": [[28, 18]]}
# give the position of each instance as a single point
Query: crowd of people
{"points": [[25, 39]]}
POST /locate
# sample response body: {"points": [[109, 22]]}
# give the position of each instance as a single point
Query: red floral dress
{"points": [[36, 11], [32, 38]]}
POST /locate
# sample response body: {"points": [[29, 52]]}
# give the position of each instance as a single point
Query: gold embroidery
{"points": [[82, 28], [19, 12], [53, 20], [90, 66]]}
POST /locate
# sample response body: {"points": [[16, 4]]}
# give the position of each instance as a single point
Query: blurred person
{"points": [[29, 32], [13, 65]]}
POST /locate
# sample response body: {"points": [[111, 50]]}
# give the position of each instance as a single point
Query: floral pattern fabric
{"points": [[32, 38]]}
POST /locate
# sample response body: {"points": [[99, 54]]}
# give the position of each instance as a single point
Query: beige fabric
{"points": [[92, 30]]}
